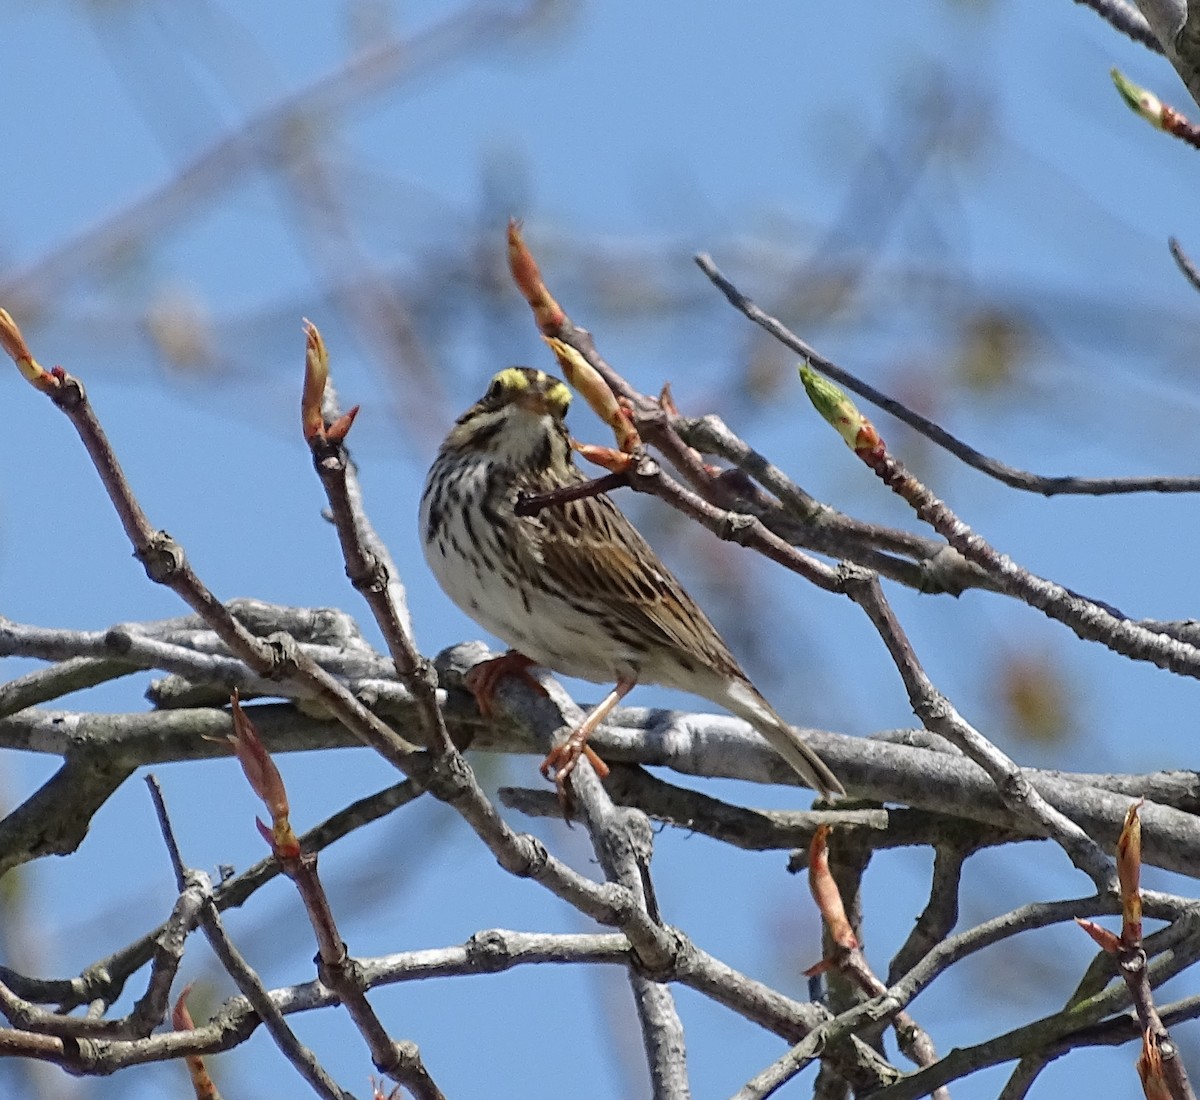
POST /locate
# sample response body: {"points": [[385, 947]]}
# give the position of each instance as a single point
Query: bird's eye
{"points": [[495, 388]]}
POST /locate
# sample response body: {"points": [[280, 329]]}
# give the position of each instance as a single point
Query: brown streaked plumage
{"points": [[575, 587]]}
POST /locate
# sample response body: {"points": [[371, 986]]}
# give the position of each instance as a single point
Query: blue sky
{"points": [[619, 132]]}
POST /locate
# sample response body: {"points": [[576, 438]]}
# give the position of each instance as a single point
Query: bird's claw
{"points": [[560, 762], [484, 678]]}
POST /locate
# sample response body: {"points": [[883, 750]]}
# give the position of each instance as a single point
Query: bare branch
{"points": [[1009, 475], [1124, 17], [940, 716]]}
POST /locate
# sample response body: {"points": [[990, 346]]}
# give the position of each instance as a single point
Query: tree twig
{"points": [[1009, 475]]}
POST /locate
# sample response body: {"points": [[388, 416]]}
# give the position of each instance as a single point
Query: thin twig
{"points": [[940, 716], [529, 504], [1125, 18], [1009, 475], [1184, 262], [336, 969], [937, 920], [835, 881], [236, 966], [368, 571], [44, 684], [1041, 1034], [791, 513], [1089, 619]]}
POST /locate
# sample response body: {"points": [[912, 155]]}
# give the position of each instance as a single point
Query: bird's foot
{"points": [[560, 763], [562, 759], [483, 680]]}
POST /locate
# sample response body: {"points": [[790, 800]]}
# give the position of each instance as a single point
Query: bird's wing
{"points": [[590, 550]]}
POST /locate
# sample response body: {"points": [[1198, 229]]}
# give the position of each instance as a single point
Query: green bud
{"points": [[1139, 100], [833, 404]]}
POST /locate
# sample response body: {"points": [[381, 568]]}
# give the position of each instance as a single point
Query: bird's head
{"points": [[519, 420]]}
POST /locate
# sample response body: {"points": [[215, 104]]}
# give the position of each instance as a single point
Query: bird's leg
{"points": [[483, 680], [562, 758]]}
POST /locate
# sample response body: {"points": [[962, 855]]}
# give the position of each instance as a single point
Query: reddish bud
{"points": [[547, 313], [666, 400], [1129, 873], [340, 428], [613, 460], [316, 375], [259, 768], [203, 1086], [1176, 123], [283, 841], [181, 1018], [1150, 1070], [11, 339], [264, 830], [13, 343], [1107, 941], [825, 891], [868, 444]]}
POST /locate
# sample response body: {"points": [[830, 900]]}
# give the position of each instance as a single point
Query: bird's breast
{"points": [[487, 560]]}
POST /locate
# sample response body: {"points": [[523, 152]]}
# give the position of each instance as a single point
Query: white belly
{"points": [[542, 626]]}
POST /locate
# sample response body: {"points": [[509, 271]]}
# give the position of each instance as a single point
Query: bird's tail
{"points": [[743, 699]]}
